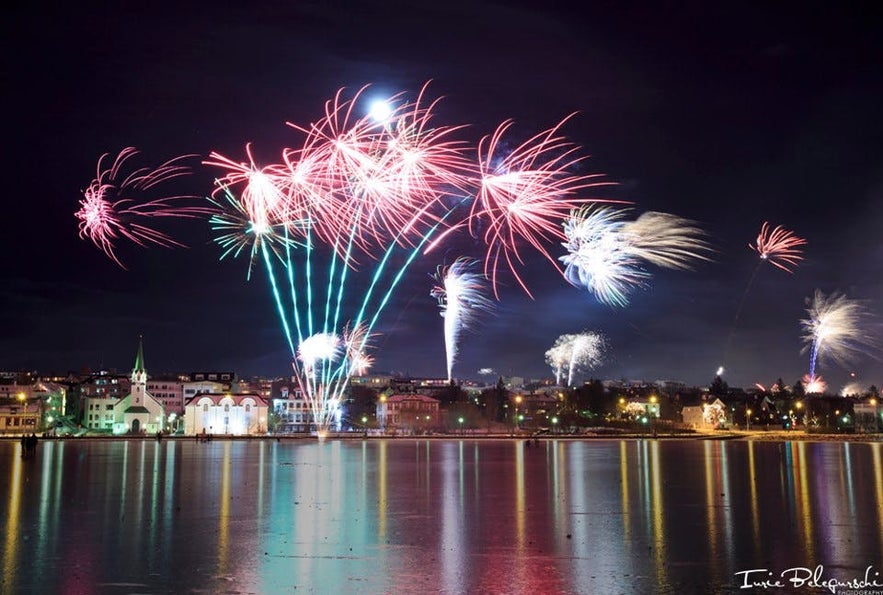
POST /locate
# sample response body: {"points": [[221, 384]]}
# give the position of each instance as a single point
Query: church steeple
{"points": [[139, 357], [139, 375]]}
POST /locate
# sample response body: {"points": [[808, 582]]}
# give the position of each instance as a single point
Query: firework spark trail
{"points": [[778, 246], [460, 295], [115, 205], [837, 328], [606, 252]]}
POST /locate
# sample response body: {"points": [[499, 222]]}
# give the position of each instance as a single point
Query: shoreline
{"points": [[738, 435]]}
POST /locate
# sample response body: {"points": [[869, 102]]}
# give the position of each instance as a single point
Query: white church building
{"points": [[136, 413]]}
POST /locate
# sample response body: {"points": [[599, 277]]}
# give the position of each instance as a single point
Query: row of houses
{"points": [[205, 404]]}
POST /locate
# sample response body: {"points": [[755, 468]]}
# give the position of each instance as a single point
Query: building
{"points": [[408, 413], [291, 409], [168, 390], [707, 416], [20, 415], [233, 414], [136, 413]]}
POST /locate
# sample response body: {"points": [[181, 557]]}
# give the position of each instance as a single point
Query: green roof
{"points": [[136, 409], [139, 357]]}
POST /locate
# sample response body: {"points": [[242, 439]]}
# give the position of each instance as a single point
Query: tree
{"points": [[799, 391], [592, 396], [362, 403], [718, 387], [501, 400], [874, 391], [452, 393]]}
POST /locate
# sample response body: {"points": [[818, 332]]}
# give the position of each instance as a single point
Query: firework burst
{"points": [[366, 197], [605, 253], [778, 246], [837, 329], [115, 206], [524, 196], [575, 353]]}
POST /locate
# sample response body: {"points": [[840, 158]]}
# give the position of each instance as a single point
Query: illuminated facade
{"points": [[234, 414]]}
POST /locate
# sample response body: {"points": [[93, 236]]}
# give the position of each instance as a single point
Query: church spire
{"points": [[139, 373], [139, 357]]}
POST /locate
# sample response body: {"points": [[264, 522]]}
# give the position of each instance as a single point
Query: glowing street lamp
{"points": [[748, 419]]}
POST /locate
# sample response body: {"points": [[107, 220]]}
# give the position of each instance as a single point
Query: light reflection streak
{"points": [[139, 487], [659, 540], [381, 492], [521, 570], [453, 561], [847, 465], [878, 484], [710, 516], [259, 505], [727, 499], [43, 525], [154, 502], [10, 553], [755, 516], [224, 513], [624, 483], [806, 521]]}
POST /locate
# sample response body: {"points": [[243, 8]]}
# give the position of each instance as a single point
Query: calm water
{"points": [[406, 516]]}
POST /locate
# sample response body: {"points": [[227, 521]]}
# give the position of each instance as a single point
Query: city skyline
{"points": [[754, 116]]}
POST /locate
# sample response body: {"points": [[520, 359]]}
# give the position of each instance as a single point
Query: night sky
{"points": [[729, 114]]}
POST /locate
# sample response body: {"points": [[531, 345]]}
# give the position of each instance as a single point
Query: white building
{"points": [[235, 414], [292, 410]]}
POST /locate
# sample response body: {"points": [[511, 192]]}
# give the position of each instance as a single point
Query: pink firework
{"points": [[111, 207], [779, 246], [262, 197], [524, 196]]}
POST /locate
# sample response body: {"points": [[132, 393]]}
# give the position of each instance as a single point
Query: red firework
{"points": [[111, 207], [524, 196], [779, 246]]}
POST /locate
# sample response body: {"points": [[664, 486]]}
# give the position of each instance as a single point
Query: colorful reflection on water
{"points": [[450, 516]]}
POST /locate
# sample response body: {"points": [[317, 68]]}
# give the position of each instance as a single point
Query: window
{"points": [[226, 407], [247, 408], [205, 408]]}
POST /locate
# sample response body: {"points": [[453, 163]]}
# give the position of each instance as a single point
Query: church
{"points": [[136, 413]]}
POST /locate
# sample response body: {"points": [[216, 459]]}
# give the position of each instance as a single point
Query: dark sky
{"points": [[729, 114]]}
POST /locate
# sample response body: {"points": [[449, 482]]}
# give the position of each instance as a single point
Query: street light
{"points": [[460, 421], [748, 420]]}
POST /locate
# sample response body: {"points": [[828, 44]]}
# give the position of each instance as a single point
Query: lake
{"points": [[439, 516]]}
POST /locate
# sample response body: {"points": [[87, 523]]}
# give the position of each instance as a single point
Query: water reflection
{"points": [[449, 516]]}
